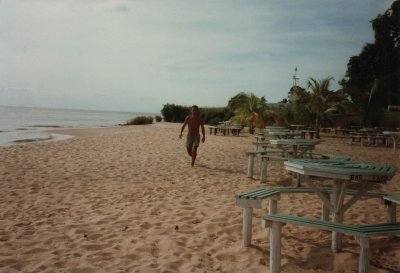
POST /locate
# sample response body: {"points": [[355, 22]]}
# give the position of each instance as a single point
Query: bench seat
{"points": [[362, 233], [253, 199]]}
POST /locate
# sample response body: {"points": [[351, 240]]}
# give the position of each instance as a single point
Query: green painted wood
{"points": [[383, 229], [256, 193], [261, 193], [352, 169], [393, 198], [366, 230], [314, 223]]}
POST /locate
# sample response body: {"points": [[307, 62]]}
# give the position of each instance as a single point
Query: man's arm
{"points": [[183, 126], [203, 132]]}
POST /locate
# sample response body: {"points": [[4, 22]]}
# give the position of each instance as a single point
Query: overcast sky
{"points": [[136, 55]]}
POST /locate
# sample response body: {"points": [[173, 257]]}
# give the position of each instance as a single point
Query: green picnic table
{"points": [[343, 173]]}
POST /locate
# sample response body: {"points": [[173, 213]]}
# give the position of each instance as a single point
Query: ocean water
{"points": [[26, 124]]}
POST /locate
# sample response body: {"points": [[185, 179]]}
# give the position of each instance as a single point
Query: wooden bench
{"points": [[362, 233], [310, 132], [213, 129], [235, 130], [258, 152], [393, 108], [253, 199]]}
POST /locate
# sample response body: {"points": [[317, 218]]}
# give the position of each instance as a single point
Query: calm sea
{"points": [[26, 124]]}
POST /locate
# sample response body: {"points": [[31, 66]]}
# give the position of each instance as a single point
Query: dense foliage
{"points": [[373, 77], [140, 120], [210, 115], [175, 113], [372, 82]]}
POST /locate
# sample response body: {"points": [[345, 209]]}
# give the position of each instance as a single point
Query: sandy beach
{"points": [[126, 199]]}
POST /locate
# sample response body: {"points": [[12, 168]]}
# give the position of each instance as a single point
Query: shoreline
{"points": [[125, 199]]}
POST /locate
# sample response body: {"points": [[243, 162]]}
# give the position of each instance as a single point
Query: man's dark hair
{"points": [[196, 107]]}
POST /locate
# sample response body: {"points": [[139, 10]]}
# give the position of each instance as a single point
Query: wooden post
{"points": [[298, 180], [273, 205], [272, 208], [391, 211], [247, 225], [325, 209], [363, 263], [263, 169], [250, 164], [275, 247], [336, 237]]}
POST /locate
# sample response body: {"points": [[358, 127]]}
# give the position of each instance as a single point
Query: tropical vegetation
{"points": [[371, 83], [140, 120]]}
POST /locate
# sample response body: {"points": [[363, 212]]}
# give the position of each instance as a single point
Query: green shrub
{"points": [[158, 118], [175, 113], [213, 115], [391, 120], [210, 115], [140, 120]]}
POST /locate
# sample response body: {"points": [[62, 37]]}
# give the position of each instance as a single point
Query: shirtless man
{"points": [[194, 122]]}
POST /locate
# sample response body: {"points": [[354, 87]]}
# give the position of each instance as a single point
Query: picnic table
{"points": [[343, 173], [309, 132], [297, 126], [272, 128], [235, 129], [395, 136], [345, 132], [284, 134], [214, 129], [296, 144]]}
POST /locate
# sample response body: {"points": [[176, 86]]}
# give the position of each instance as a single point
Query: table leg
{"points": [[337, 212], [295, 151], [247, 225], [391, 212], [250, 164]]}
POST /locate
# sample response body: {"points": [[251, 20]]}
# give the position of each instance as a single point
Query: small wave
{"points": [[47, 126], [28, 140]]}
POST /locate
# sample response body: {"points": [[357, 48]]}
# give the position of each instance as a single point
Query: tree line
{"points": [[371, 83]]}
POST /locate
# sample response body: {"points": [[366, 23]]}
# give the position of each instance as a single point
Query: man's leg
{"points": [[194, 154], [189, 145], [189, 150]]}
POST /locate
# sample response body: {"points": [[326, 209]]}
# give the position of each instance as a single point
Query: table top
{"points": [[295, 141], [284, 133], [393, 198], [346, 170], [391, 133], [274, 127], [277, 130], [278, 134]]}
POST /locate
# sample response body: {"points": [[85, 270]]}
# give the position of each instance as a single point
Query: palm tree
{"points": [[321, 100], [273, 116], [248, 109]]}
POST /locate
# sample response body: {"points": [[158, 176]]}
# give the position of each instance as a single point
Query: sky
{"points": [[137, 55]]}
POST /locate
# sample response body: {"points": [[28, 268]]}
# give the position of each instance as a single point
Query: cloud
{"points": [[177, 51]]}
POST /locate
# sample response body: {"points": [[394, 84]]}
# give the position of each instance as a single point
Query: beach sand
{"points": [[126, 199]]}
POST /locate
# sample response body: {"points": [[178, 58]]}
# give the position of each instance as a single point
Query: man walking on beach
{"points": [[194, 122]]}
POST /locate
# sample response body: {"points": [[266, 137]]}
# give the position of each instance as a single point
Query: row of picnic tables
{"points": [[372, 136], [341, 173], [226, 128]]}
